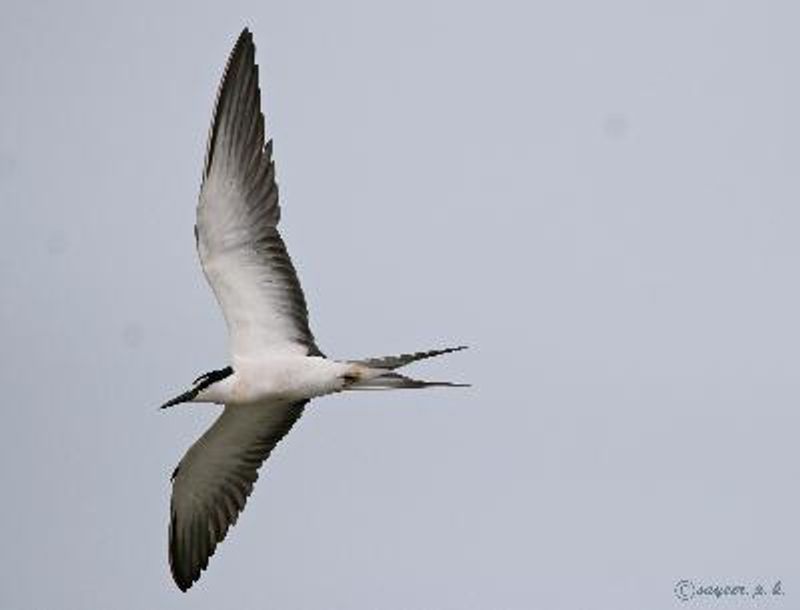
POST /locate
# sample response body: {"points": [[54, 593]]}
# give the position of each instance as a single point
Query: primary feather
{"points": [[241, 251], [213, 480]]}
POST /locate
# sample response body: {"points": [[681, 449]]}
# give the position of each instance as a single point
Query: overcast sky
{"points": [[601, 198]]}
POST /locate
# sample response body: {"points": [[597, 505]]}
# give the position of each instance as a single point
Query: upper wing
{"points": [[213, 480], [241, 251]]}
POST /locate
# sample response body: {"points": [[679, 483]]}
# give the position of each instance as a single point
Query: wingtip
{"points": [[245, 36], [184, 582], [243, 43], [183, 579]]}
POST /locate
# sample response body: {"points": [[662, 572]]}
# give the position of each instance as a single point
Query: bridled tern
{"points": [[276, 366]]}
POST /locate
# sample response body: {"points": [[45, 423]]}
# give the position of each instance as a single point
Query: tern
{"points": [[276, 367]]}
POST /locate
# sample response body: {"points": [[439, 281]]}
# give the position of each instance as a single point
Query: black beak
{"points": [[185, 397]]}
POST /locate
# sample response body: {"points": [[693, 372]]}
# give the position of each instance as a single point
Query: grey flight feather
{"points": [[213, 480], [241, 251]]}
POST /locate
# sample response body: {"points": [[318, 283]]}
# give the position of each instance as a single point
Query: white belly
{"points": [[287, 378]]}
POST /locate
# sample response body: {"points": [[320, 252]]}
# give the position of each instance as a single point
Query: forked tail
{"points": [[380, 373]]}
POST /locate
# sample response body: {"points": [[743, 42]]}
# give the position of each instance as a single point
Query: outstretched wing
{"points": [[213, 480], [241, 251]]}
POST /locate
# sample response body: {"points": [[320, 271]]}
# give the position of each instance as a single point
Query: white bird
{"points": [[276, 366]]}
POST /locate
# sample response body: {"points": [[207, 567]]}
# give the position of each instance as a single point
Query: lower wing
{"points": [[211, 484]]}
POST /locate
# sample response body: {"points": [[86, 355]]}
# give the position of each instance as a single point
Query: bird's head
{"points": [[201, 390]]}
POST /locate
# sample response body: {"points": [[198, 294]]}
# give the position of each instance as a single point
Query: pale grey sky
{"points": [[601, 198]]}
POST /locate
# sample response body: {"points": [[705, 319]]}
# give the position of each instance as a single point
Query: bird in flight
{"points": [[276, 367]]}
